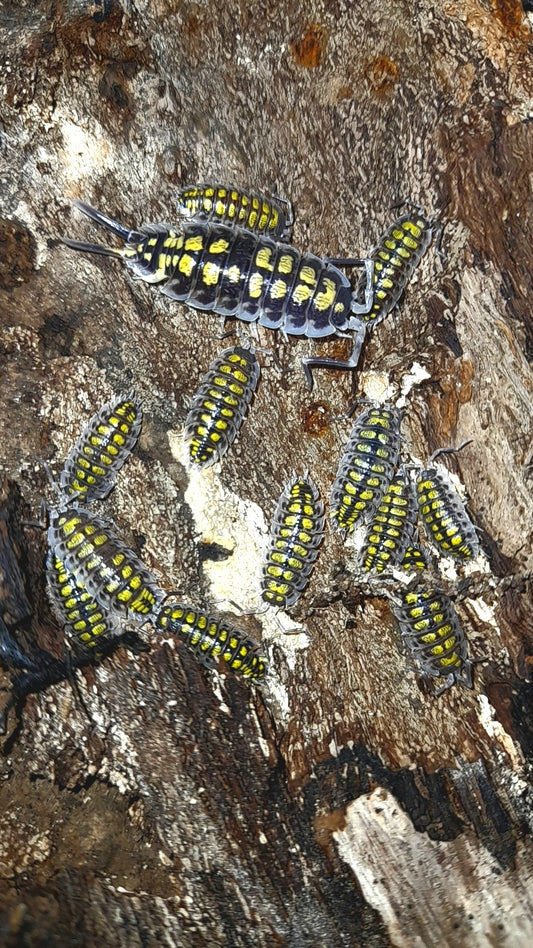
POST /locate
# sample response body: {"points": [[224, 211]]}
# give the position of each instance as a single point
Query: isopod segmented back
{"points": [[235, 272], [211, 638], [396, 255], [85, 622], [414, 558], [99, 453], [392, 527], [366, 467], [218, 408], [236, 208], [432, 632], [113, 574], [444, 516], [296, 533]]}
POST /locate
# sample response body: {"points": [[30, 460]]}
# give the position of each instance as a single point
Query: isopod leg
{"points": [[289, 215], [351, 363], [449, 450]]}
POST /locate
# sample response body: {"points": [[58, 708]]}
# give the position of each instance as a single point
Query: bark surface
{"points": [[159, 803]]}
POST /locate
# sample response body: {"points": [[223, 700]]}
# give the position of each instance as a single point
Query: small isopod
{"points": [[432, 632], [444, 516], [236, 208], [366, 467], [218, 408], [211, 638], [392, 527], [85, 622], [113, 574], [104, 445], [396, 256], [295, 535]]}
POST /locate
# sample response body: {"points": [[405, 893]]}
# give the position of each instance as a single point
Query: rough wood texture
{"points": [[163, 805]]}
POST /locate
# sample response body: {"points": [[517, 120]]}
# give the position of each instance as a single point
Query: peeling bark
{"points": [[158, 803]]}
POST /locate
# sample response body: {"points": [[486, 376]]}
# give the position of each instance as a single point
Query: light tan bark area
{"points": [[159, 803]]}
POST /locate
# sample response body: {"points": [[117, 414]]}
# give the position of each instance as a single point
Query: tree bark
{"points": [[159, 803]]}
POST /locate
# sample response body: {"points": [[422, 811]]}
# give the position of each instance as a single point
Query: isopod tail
{"points": [[128, 236], [92, 248], [114, 226]]}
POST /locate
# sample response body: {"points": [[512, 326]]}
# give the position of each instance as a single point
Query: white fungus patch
{"points": [[485, 612], [221, 517], [224, 519], [497, 733], [410, 380], [239, 526], [377, 386]]}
